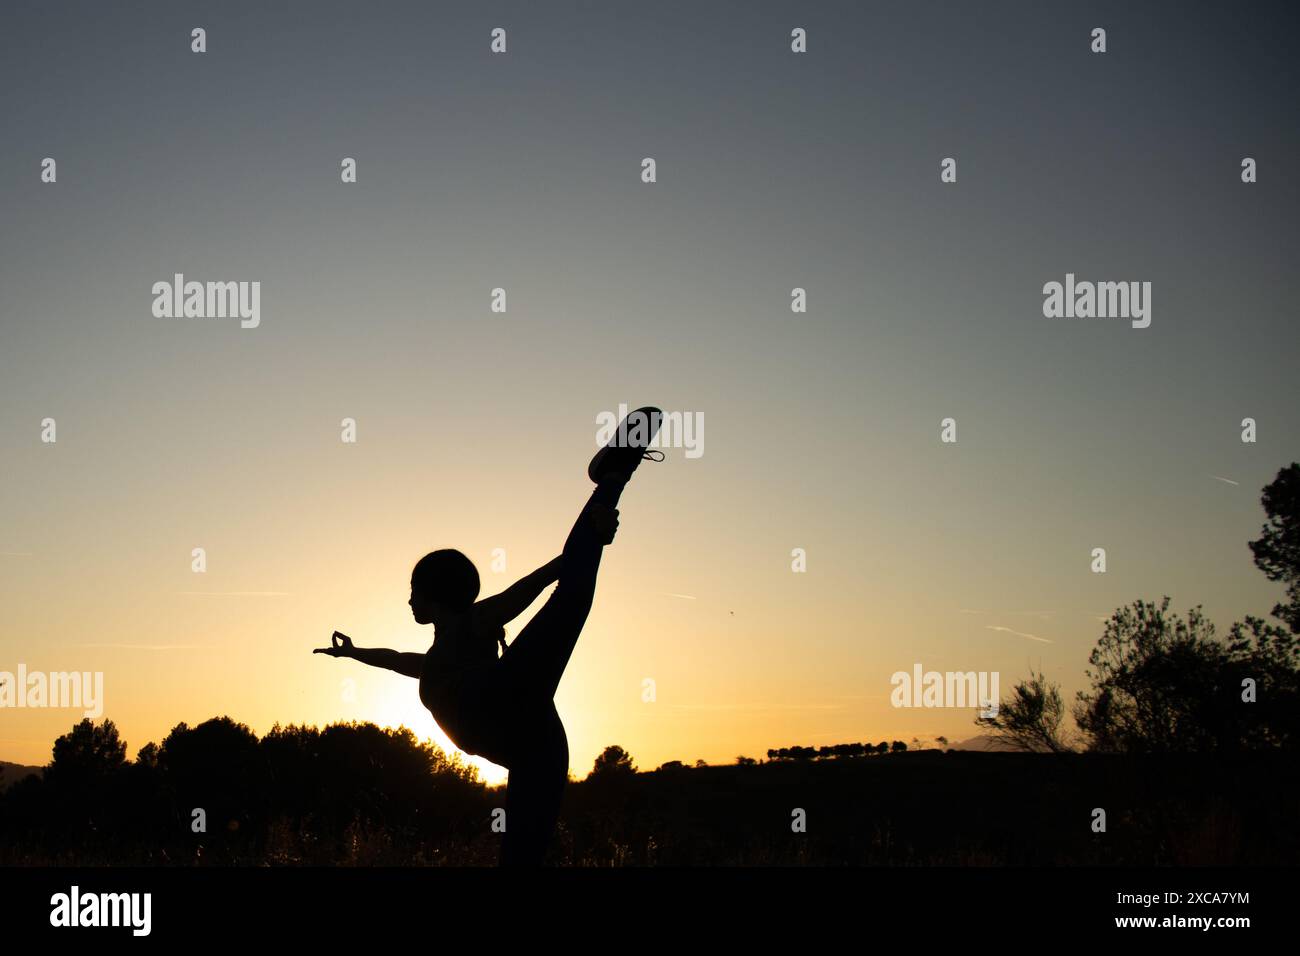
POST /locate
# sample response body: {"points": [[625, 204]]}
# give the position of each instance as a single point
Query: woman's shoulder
{"points": [[484, 618], [457, 627]]}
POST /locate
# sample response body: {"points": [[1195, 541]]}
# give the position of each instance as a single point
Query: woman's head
{"points": [[443, 582]]}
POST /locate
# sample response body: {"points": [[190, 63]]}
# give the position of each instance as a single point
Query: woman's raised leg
{"points": [[535, 661]]}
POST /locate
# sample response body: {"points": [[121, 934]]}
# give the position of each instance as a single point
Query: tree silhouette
{"points": [[1270, 656], [1277, 552], [1030, 719], [1163, 684], [88, 760], [86, 755], [147, 756], [613, 762], [216, 767]]}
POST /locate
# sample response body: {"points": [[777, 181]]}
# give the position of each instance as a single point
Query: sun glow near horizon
{"points": [[474, 428]]}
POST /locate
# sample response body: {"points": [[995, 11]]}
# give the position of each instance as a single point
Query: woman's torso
{"points": [[460, 652]]}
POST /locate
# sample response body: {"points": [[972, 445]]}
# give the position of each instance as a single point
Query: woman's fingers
{"points": [[339, 643]]}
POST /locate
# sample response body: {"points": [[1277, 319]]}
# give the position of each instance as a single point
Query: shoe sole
{"points": [[617, 456]]}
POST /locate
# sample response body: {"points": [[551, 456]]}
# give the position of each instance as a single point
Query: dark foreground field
{"points": [[358, 795], [955, 808]]}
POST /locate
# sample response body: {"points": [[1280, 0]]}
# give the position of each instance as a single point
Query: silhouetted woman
{"points": [[503, 708]]}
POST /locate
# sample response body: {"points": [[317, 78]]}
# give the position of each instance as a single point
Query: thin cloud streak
{"points": [[757, 707], [149, 647], [238, 593], [1042, 615], [1007, 630]]}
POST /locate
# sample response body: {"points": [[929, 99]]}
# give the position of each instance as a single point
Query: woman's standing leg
{"points": [[531, 670], [535, 791]]}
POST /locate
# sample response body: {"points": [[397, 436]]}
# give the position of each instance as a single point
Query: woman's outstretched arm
{"points": [[509, 604], [341, 646]]}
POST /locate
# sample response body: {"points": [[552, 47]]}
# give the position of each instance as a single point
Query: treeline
{"points": [[350, 793], [357, 794], [216, 793], [837, 750]]}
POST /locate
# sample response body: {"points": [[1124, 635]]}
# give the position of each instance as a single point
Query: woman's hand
{"points": [[340, 646], [605, 520]]}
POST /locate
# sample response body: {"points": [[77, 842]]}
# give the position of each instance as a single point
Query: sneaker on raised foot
{"points": [[629, 445]]}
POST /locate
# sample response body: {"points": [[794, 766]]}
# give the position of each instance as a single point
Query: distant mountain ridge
{"points": [[11, 773]]}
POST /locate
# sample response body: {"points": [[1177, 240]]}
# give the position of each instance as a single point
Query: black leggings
{"points": [[516, 720]]}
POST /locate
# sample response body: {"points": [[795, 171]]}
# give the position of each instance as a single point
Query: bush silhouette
{"points": [[613, 762]]}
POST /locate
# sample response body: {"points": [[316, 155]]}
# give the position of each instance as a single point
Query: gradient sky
{"points": [[821, 429]]}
